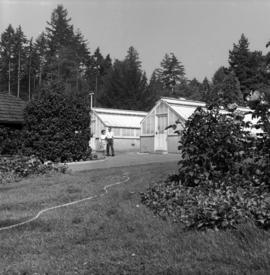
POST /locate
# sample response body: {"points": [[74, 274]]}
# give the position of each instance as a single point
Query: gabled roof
{"points": [[119, 118], [182, 102], [184, 108], [11, 109]]}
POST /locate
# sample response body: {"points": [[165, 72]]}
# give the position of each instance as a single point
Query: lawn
{"points": [[115, 233]]}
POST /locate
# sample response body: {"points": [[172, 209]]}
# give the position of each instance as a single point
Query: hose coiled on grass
{"points": [[105, 189]]}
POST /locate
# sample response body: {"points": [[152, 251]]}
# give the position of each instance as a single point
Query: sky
{"points": [[199, 32]]}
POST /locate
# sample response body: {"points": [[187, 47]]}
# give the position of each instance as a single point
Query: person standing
{"points": [[103, 142], [109, 138]]}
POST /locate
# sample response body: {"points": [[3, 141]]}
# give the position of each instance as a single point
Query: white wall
{"points": [[147, 144], [149, 129]]}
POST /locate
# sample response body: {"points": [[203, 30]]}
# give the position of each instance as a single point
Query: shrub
{"points": [[15, 168], [11, 141], [57, 126], [199, 208], [223, 176], [213, 144]]}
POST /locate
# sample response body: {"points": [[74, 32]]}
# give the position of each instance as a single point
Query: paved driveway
{"points": [[127, 159]]}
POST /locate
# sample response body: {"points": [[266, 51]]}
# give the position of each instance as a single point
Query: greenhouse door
{"points": [[161, 134]]}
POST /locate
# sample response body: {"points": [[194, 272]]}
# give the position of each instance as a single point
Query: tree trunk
{"points": [[9, 91], [29, 80], [40, 75], [18, 76], [77, 81]]}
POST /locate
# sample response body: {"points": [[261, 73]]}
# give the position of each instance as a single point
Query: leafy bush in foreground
{"points": [[223, 177], [15, 168], [218, 208], [57, 126], [11, 141]]}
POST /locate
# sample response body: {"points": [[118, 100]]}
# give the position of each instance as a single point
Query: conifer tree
{"points": [[7, 58], [125, 85], [97, 69], [228, 90], [40, 53], [172, 72], [20, 42], [239, 60], [67, 54]]}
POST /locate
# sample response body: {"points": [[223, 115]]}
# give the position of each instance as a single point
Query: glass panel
{"points": [[172, 118], [116, 132], [127, 132], [161, 108], [162, 123]]}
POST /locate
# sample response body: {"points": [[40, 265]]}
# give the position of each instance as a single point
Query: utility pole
{"points": [[91, 106]]}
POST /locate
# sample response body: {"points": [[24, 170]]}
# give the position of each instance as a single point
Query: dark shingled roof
{"points": [[11, 109]]}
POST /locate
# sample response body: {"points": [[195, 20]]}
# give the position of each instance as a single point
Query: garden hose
{"points": [[105, 189]]}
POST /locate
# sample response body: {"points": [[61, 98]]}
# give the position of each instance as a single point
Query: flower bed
{"points": [[14, 168]]}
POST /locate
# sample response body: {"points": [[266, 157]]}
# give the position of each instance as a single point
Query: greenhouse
{"points": [[154, 137], [125, 125]]}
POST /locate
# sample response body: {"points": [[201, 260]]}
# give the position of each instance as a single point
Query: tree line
{"points": [[61, 54]]}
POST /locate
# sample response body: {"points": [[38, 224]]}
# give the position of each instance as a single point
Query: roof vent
{"points": [[181, 98]]}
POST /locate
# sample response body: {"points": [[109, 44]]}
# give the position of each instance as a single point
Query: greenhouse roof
{"points": [[120, 118], [185, 108]]}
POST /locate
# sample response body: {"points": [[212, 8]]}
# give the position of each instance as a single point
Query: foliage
{"points": [[226, 89], [172, 72], [250, 67], [213, 144], [6, 58], [261, 112], [11, 141], [96, 71], [221, 207], [193, 90], [126, 84], [14, 168], [57, 126], [223, 176]]}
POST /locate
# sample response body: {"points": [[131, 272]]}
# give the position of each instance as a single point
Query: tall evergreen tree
{"points": [[239, 60], [97, 69], [59, 30], [228, 90], [67, 54], [30, 70], [220, 75], [155, 86], [7, 58], [126, 84], [172, 72], [40, 53], [20, 49], [206, 88]]}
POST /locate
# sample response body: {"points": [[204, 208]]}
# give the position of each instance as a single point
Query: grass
{"points": [[115, 234]]}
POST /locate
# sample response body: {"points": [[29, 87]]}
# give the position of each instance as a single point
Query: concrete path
{"points": [[121, 160]]}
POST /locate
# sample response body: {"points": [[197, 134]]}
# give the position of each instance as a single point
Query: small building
{"points": [[154, 137], [11, 110], [125, 125]]}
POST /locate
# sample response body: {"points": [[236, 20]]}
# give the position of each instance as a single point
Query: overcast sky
{"points": [[199, 33]]}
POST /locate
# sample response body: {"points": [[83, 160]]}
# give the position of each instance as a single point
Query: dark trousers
{"points": [[110, 145]]}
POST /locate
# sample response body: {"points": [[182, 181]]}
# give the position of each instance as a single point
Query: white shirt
{"points": [[109, 135], [102, 136]]}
